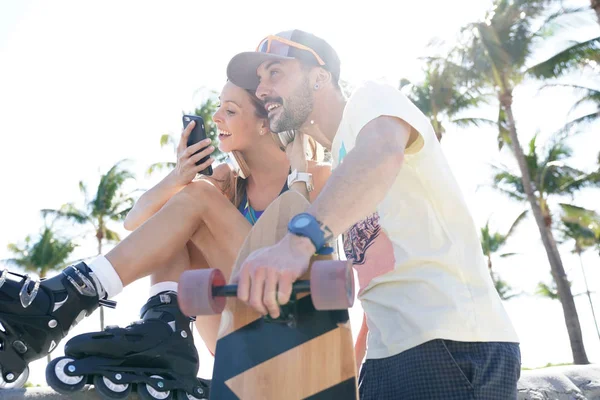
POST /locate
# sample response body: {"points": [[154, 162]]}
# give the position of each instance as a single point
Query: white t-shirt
{"points": [[421, 269]]}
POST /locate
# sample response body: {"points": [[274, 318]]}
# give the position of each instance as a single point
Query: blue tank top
{"points": [[251, 214]]}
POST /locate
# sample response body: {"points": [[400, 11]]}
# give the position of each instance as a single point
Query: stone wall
{"points": [[577, 382]]}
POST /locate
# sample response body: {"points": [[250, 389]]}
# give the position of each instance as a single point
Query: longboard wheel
{"points": [[332, 285], [195, 292]]}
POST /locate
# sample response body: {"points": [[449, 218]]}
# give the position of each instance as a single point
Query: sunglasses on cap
{"points": [[279, 46]]}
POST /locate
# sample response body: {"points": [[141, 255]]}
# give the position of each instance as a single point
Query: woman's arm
{"points": [[185, 171], [152, 201], [296, 153], [320, 174]]}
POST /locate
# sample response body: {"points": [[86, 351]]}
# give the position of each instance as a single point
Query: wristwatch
{"points": [[306, 225], [296, 176]]}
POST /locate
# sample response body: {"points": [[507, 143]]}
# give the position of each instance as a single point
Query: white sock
{"points": [[106, 274], [160, 287]]}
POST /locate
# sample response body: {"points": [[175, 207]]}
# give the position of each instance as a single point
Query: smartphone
{"points": [[196, 135]]}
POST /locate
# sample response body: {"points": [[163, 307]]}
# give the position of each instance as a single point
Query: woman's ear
{"points": [[263, 128]]}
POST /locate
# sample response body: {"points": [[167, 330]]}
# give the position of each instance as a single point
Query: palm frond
{"points": [[575, 56], [111, 236], [560, 20], [502, 287], [586, 218], [160, 166], [121, 208], [504, 255], [516, 222], [110, 184], [167, 139], [84, 191], [588, 95], [548, 291], [512, 194], [592, 96], [68, 212], [586, 119], [468, 122], [509, 184], [46, 253]]}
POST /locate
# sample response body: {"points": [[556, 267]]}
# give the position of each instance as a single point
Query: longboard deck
{"points": [[258, 359]]}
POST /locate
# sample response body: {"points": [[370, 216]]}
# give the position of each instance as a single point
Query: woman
{"points": [[242, 125], [180, 223]]}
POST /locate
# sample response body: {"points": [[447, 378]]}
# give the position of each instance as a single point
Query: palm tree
{"points": [[109, 203], [549, 174], [440, 96], [47, 252], [583, 227], [492, 242], [495, 51], [584, 238], [206, 111]]}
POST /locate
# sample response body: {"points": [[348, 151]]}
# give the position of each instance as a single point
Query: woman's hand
{"points": [[186, 169], [296, 153]]}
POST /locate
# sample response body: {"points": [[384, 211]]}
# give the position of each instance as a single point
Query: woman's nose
{"points": [[217, 116]]}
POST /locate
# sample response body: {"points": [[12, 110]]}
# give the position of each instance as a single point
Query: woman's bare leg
{"points": [[174, 268], [217, 243], [219, 231], [155, 243], [207, 326]]}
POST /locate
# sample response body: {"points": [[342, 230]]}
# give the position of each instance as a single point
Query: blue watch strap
{"points": [[306, 225]]}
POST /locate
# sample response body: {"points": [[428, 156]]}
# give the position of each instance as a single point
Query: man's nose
{"points": [[262, 91]]}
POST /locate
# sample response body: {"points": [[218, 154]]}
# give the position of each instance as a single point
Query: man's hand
{"points": [[265, 279]]}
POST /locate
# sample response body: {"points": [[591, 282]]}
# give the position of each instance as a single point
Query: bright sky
{"points": [[83, 85]]}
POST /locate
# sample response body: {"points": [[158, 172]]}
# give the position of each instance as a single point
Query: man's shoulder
{"points": [[374, 93], [373, 87]]}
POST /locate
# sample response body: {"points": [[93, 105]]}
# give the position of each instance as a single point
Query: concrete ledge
{"points": [[46, 393], [574, 382]]}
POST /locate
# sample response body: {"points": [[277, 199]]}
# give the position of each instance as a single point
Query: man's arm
{"points": [[360, 183], [353, 192]]}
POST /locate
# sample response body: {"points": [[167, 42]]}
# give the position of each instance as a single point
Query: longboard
{"points": [[307, 356]]}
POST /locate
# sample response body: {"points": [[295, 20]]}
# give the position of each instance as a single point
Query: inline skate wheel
{"points": [[147, 392], [195, 292], [58, 379], [111, 390], [16, 383], [332, 285], [181, 395]]}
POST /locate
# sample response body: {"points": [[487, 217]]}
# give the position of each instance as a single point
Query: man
{"points": [[437, 328]]}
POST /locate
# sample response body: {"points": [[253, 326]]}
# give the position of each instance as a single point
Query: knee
{"points": [[197, 196]]}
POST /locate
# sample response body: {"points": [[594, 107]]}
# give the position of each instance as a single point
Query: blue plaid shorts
{"points": [[444, 369]]}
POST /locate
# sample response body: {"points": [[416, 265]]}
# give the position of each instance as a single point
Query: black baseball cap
{"points": [[288, 45]]}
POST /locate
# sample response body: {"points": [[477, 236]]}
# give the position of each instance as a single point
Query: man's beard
{"points": [[296, 111]]}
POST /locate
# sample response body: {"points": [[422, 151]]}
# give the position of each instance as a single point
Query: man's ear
{"points": [[320, 78]]}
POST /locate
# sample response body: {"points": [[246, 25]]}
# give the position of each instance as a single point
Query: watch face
{"points": [[302, 222]]}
